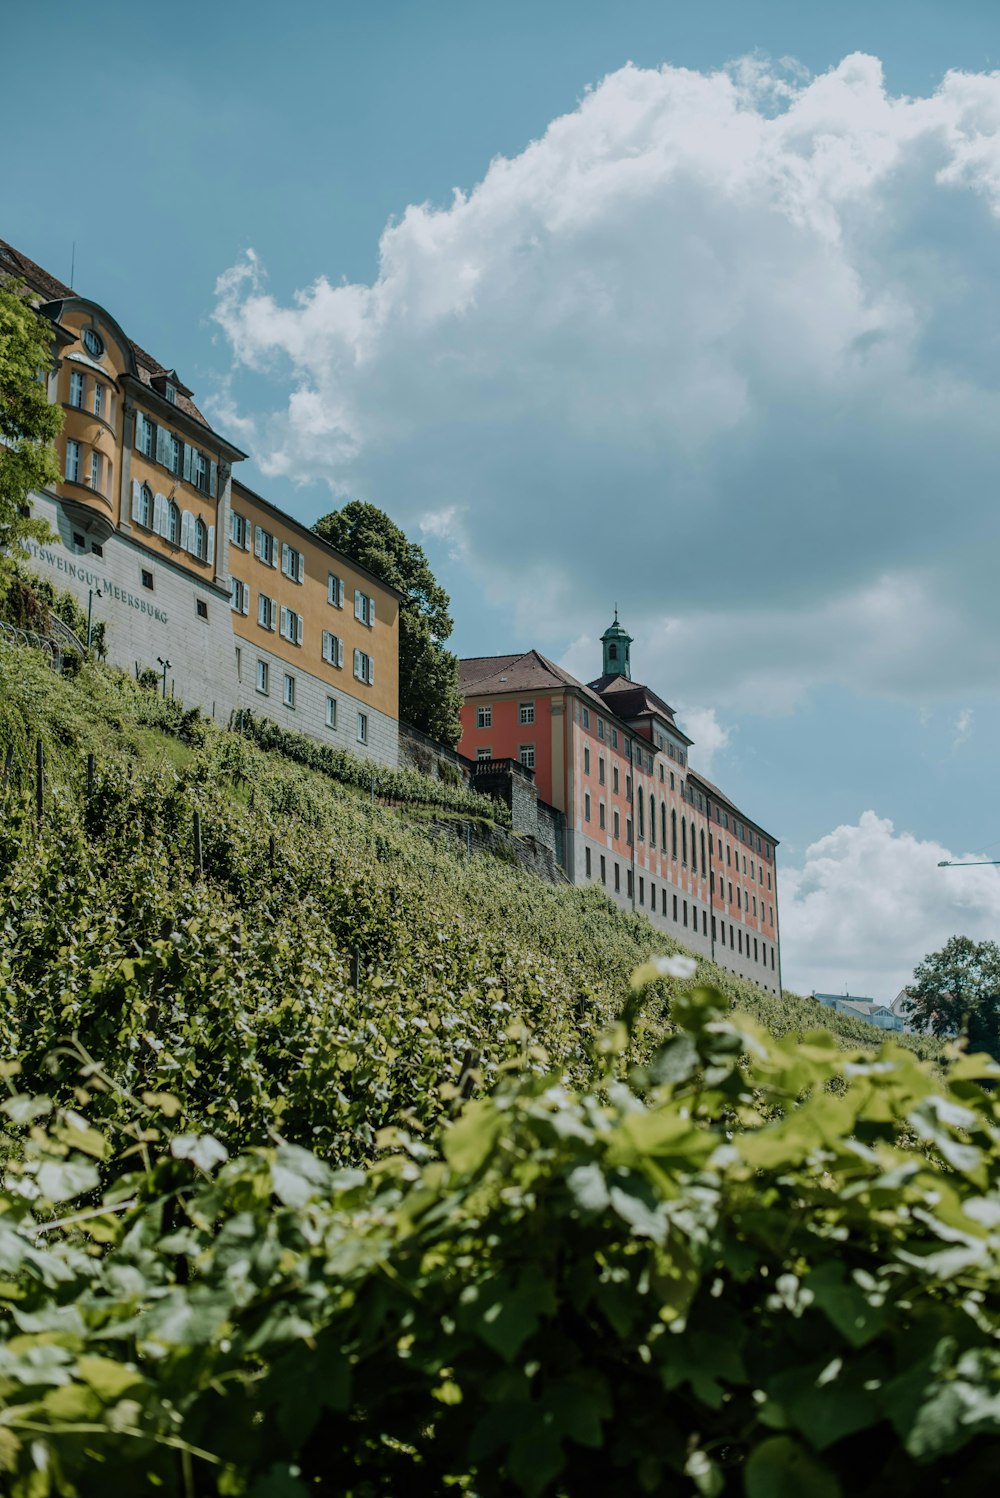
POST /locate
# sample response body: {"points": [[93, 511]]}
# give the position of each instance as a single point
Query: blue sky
{"points": [[718, 346]]}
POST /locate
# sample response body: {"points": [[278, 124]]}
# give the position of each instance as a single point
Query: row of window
{"points": [[525, 755], [165, 518], [525, 714], [185, 462], [288, 690], [291, 627], [268, 550], [102, 400], [88, 467]]}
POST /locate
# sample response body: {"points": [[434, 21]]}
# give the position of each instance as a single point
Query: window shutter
{"points": [[340, 652], [258, 542], [357, 663], [187, 531], [286, 552], [371, 611], [260, 608], [284, 620], [160, 514], [248, 537], [162, 446], [302, 566], [188, 455], [359, 604], [327, 645], [301, 628], [213, 478], [246, 599], [210, 556], [371, 670], [139, 419], [136, 500]]}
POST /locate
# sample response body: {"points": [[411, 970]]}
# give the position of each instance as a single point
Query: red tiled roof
{"points": [[15, 264]]}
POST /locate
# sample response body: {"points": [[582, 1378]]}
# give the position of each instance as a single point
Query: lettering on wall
{"points": [[92, 579]]}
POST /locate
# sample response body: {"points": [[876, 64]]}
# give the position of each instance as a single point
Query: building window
{"points": [[362, 728], [614, 738], [293, 563], [239, 530], [239, 664], [144, 512], [199, 471], [628, 831], [526, 712], [92, 342], [617, 825], [694, 852], [586, 759], [239, 596], [262, 677], [333, 649], [98, 398], [170, 393], [147, 579], [77, 389], [642, 891], [652, 822], [173, 523], [600, 728], [265, 546], [586, 806], [364, 667], [618, 877], [484, 717], [673, 832], [145, 435], [97, 550], [629, 883], [604, 870], [640, 815], [201, 540], [289, 693], [334, 590], [331, 712], [364, 607], [663, 897], [290, 626], [684, 840], [174, 454], [730, 892], [628, 787], [484, 752], [614, 779], [586, 862], [72, 462], [601, 770], [526, 755], [95, 470], [266, 611], [675, 907], [685, 912], [601, 816], [201, 608], [586, 717]]}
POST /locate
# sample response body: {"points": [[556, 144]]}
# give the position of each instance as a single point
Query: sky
{"points": [[692, 309]]}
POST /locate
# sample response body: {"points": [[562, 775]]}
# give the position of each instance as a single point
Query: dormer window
{"points": [[170, 393]]}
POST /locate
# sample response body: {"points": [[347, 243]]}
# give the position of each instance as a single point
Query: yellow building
{"points": [[235, 602]]}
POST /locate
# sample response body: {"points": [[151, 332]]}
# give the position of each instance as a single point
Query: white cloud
{"points": [[710, 736], [963, 728], [722, 344], [868, 903]]}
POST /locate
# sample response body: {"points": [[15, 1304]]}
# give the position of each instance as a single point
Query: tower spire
{"points": [[617, 641]]}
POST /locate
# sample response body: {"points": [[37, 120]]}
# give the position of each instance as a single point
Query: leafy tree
{"points": [[429, 697], [958, 988], [28, 423]]}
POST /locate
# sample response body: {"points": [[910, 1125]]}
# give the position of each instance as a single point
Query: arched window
{"points": [[684, 839], [694, 852], [673, 832], [173, 523], [663, 826], [612, 652], [146, 507], [200, 540], [704, 865], [642, 820], [652, 821]]}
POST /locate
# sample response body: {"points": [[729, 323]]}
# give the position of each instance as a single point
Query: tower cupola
{"points": [[617, 642]]}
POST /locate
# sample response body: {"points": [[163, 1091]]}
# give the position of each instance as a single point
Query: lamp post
{"points": [[92, 593], [166, 668]]}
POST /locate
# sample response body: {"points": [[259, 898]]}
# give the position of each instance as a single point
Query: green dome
{"points": [[616, 641]]}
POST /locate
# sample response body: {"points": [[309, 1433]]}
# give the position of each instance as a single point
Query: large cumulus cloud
{"points": [[721, 344]]}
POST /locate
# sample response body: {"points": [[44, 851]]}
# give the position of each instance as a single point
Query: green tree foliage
{"points": [[28, 422], [958, 990], [428, 673]]}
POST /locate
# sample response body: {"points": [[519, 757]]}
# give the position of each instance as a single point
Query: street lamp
{"points": [[166, 668], [92, 593], [971, 863]]}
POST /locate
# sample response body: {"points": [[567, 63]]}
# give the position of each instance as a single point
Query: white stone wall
{"points": [[142, 624], [309, 713]]}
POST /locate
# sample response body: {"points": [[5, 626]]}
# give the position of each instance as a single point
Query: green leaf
{"points": [[62, 1181], [470, 1141], [203, 1150], [780, 1468]]}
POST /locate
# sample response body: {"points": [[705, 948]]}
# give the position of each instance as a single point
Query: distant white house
{"points": [[885, 1016]]}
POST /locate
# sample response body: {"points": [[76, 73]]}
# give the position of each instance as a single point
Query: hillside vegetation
{"points": [[346, 1163]]}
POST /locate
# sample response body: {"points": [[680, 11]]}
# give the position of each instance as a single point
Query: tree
{"points": [[28, 423], [429, 697], [958, 989]]}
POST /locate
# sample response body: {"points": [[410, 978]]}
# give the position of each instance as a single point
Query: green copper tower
{"points": [[617, 643]]}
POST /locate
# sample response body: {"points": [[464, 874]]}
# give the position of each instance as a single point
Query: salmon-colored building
{"points": [[640, 821]]}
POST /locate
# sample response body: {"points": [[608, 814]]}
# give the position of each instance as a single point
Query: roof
{"points": [[307, 531], [528, 672], [14, 263], [720, 795], [632, 700]]}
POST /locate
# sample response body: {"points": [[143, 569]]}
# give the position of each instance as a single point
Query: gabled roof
{"points": [[632, 700], [529, 672], [16, 265]]}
